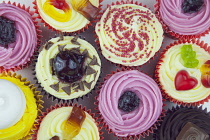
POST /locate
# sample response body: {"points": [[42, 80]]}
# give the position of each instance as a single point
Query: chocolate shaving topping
{"points": [[94, 61], [76, 50], [88, 85], [61, 47], [81, 86], [61, 37], [55, 86], [55, 138], [74, 40], [67, 89], [48, 45], [85, 52], [75, 84], [90, 70]]}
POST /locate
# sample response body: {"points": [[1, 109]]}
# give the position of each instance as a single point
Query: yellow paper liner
{"points": [[105, 125], [173, 34], [53, 29], [97, 39], [56, 106], [198, 42], [37, 96], [39, 36]]}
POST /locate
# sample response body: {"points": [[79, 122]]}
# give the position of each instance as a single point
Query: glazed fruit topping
{"points": [[8, 31], [189, 56], [68, 65], [128, 101], [205, 74], [192, 6], [73, 125], [55, 138], [60, 4], [184, 82]]}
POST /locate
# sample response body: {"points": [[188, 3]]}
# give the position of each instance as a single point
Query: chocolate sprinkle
{"points": [[48, 45], [74, 40], [94, 61], [90, 70], [67, 89], [55, 86]]}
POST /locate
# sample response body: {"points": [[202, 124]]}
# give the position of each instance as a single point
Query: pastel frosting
{"points": [[20, 129], [19, 52], [44, 70], [74, 23], [142, 118], [51, 126], [172, 63], [129, 34], [184, 23]]}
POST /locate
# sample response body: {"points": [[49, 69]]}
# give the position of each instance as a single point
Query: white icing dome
{"points": [[12, 104]]}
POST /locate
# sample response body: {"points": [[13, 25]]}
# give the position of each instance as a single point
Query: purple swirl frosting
{"points": [[19, 52], [185, 23], [142, 118]]}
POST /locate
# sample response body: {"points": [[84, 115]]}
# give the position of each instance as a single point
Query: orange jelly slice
{"points": [[59, 10], [205, 68], [72, 126]]}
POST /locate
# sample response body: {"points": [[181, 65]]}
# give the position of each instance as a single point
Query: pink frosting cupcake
{"points": [[130, 104], [18, 37]]}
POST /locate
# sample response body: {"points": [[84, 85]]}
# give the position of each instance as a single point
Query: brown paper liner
{"points": [[37, 96], [173, 34], [105, 125], [97, 39], [39, 36], [198, 42], [53, 29], [56, 106]]}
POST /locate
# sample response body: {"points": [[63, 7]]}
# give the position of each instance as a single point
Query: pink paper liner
{"points": [[198, 42], [97, 39], [105, 125], [39, 36], [48, 110], [173, 34], [53, 29]]}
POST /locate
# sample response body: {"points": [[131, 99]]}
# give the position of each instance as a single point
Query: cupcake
{"points": [[183, 72], [20, 104], [18, 36], [67, 16], [68, 67], [184, 18], [67, 121], [129, 34], [183, 123], [130, 104]]}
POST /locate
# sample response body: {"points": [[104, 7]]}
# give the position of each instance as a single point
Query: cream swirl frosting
{"points": [[19, 52], [184, 23], [142, 118], [51, 126], [172, 63], [75, 22], [129, 34]]}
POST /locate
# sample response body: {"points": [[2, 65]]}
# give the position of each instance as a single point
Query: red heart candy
{"points": [[184, 82]]}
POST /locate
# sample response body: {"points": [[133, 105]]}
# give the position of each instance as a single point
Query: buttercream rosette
{"points": [[65, 18], [178, 24], [174, 78], [50, 123], [20, 104], [173, 124], [18, 54], [128, 33], [141, 121]]}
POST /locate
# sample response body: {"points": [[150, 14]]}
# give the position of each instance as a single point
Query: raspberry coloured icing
{"points": [[184, 23], [142, 118], [19, 52]]}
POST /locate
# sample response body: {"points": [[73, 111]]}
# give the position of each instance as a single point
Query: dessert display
{"points": [[67, 15], [183, 72], [129, 34], [184, 18], [68, 67], [130, 103], [18, 36], [67, 122], [19, 107], [182, 123]]}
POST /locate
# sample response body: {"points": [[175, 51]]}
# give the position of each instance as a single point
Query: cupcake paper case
{"points": [[180, 24], [20, 36], [183, 73], [134, 119], [89, 129], [128, 33], [18, 120]]}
